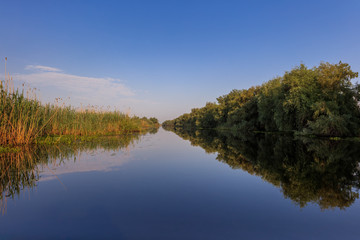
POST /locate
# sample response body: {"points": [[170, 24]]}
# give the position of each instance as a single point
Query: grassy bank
{"points": [[24, 119]]}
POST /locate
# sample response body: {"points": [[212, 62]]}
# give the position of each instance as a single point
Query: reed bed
{"points": [[24, 118]]}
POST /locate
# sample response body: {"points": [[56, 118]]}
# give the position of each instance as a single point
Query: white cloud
{"points": [[42, 68], [86, 91], [81, 86]]}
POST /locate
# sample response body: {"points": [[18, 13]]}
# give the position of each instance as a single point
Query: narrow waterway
{"points": [[186, 186]]}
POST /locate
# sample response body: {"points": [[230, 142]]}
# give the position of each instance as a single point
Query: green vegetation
{"points": [[24, 120], [8, 149], [307, 170], [320, 101]]}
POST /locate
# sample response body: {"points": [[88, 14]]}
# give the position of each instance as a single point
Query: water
{"points": [[160, 186]]}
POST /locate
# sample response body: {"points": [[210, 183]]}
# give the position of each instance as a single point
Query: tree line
{"points": [[320, 101]]}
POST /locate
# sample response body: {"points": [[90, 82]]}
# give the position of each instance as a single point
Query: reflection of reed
{"points": [[20, 170], [306, 170]]}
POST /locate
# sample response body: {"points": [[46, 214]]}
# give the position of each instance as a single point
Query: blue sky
{"points": [[162, 58]]}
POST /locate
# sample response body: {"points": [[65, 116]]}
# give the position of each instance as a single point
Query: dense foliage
{"points": [[320, 101]]}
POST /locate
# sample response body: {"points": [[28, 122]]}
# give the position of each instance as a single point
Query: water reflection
{"points": [[306, 170], [22, 170]]}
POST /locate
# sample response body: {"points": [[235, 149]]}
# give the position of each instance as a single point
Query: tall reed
{"points": [[24, 118]]}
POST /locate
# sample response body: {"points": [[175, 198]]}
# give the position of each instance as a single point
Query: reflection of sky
{"points": [[167, 189], [93, 160], [97, 160]]}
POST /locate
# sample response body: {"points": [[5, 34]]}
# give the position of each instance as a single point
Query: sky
{"points": [[163, 58]]}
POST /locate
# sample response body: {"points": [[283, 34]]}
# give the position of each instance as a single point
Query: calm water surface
{"points": [[160, 186]]}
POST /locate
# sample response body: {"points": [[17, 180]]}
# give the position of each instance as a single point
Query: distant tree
{"points": [[154, 120]]}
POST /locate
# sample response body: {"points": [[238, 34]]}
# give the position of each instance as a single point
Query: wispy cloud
{"points": [[79, 90], [82, 86], [42, 68]]}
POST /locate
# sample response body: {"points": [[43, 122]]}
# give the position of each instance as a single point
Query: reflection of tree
{"points": [[307, 170], [20, 170]]}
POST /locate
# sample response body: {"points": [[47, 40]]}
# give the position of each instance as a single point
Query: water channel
{"points": [[183, 185]]}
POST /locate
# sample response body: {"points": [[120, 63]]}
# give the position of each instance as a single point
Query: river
{"points": [[197, 185]]}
